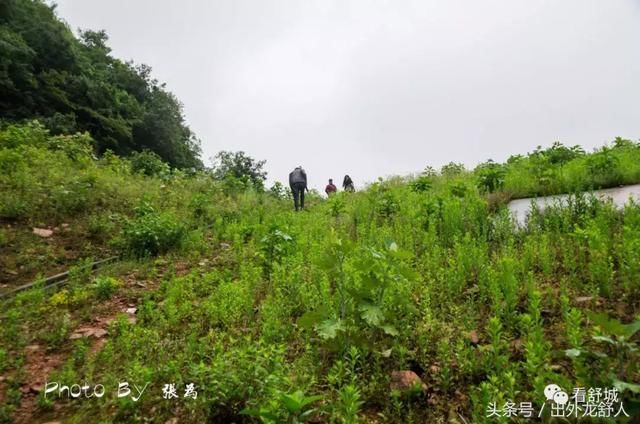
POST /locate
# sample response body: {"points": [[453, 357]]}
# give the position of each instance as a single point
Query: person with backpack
{"points": [[347, 184], [330, 188], [298, 185]]}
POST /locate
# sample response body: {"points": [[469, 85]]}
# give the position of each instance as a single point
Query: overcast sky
{"points": [[375, 88]]}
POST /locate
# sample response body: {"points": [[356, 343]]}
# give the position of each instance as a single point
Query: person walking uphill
{"points": [[298, 184], [330, 188], [347, 184]]}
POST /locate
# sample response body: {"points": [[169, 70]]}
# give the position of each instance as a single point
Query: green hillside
{"points": [[317, 316]]}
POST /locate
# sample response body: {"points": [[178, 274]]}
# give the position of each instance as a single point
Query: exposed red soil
{"points": [[39, 364]]}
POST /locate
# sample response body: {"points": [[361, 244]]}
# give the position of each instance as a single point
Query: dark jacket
{"points": [[347, 184], [298, 176]]}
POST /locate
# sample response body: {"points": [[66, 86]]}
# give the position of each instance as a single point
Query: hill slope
{"points": [[262, 309]]}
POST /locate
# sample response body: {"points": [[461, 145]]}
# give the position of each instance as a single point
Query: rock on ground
{"points": [[406, 380]]}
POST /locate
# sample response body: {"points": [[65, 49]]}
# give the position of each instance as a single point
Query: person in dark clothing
{"points": [[347, 184], [298, 185], [330, 188]]}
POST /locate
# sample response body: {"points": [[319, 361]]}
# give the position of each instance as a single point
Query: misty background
{"points": [[377, 88]]}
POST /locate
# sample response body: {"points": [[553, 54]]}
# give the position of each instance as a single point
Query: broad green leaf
{"points": [[604, 339], [293, 402], [631, 329], [328, 329], [375, 254], [572, 353], [327, 261], [372, 314], [607, 324], [369, 282], [283, 235], [311, 318], [622, 386], [402, 255], [310, 399], [409, 273], [390, 330], [307, 414]]}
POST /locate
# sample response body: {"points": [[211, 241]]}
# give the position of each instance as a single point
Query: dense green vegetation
{"points": [[562, 169], [74, 85], [279, 316]]}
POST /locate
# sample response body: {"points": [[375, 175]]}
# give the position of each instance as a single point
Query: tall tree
{"points": [[74, 84], [240, 166]]}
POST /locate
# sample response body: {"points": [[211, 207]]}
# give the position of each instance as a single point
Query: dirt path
{"points": [[40, 364]]}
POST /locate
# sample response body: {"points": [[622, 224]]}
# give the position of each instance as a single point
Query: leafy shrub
{"points": [[115, 163], [459, 189], [291, 408], [452, 169], [148, 163], [233, 185], [422, 183], [361, 316], [614, 359], [14, 208], [604, 168], [60, 298], [151, 233], [11, 161], [34, 134], [621, 143], [59, 334], [278, 191], [385, 202], [101, 225], [238, 166], [105, 287], [559, 154], [337, 204], [490, 176], [73, 197], [30, 134], [200, 206], [349, 404], [274, 246], [76, 147]]}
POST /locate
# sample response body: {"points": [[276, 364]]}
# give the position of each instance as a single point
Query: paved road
{"points": [[620, 195]]}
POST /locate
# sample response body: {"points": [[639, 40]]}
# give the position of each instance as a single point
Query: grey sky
{"points": [[373, 88]]}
